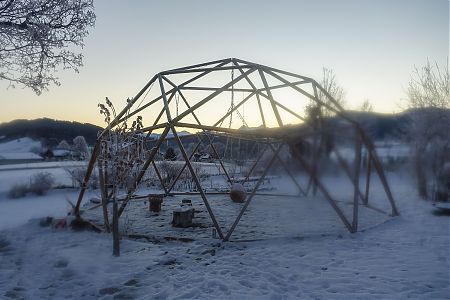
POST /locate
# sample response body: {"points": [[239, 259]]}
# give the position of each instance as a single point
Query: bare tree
{"points": [[318, 116], [366, 106], [38, 36], [429, 98], [330, 84]]}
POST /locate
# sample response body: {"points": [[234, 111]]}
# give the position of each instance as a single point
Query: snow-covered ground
{"points": [[301, 250], [22, 145], [19, 149]]}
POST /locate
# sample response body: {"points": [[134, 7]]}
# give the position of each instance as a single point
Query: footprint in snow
{"points": [[61, 263], [131, 282], [108, 291]]}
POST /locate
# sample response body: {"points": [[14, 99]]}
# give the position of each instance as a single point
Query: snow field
{"points": [[304, 252]]}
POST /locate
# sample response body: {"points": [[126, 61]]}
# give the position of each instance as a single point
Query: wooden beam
{"points": [[368, 174], [272, 102], [202, 88], [144, 168], [220, 61], [356, 194], [205, 132], [322, 188], [202, 70], [216, 93], [166, 103], [197, 183], [300, 190], [87, 176], [104, 195], [250, 197]]}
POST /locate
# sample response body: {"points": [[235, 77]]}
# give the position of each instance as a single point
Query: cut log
{"points": [[155, 203], [182, 217]]}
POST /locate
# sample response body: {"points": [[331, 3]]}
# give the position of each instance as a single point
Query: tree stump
{"points": [[182, 217], [186, 201], [155, 203]]}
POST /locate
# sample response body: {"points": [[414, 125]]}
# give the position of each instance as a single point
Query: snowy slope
{"points": [[19, 145]]}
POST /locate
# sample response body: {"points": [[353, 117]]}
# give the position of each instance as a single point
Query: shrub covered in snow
{"points": [[40, 183], [77, 174], [18, 191]]}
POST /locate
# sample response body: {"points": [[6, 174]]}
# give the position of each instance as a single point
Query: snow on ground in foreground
{"points": [[405, 257], [17, 212]]}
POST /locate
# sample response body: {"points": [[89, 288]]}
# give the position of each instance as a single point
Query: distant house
{"points": [[18, 158], [63, 154], [203, 157]]}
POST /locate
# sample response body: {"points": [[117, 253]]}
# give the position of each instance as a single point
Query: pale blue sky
{"points": [[371, 45]]}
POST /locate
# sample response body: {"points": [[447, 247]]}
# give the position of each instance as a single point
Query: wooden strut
{"points": [[280, 123], [144, 168], [161, 181], [223, 62], [256, 91], [205, 100], [379, 169], [197, 182], [368, 174], [245, 68], [322, 188], [255, 164], [300, 190], [250, 197], [362, 197], [104, 194], [86, 178], [340, 111], [205, 131], [198, 144], [356, 195], [347, 170], [269, 88]]}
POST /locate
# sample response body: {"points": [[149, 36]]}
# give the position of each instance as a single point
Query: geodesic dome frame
{"points": [[190, 97]]}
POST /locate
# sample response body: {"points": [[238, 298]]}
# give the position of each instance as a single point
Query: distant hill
{"points": [[381, 126], [49, 131]]}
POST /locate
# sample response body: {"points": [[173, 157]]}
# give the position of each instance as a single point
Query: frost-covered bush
{"points": [[40, 183], [18, 191], [77, 175]]}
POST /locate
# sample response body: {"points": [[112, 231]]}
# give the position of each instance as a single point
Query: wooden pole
{"points": [[356, 194], [87, 176], [322, 189], [369, 173], [249, 199], [116, 237], [104, 194], [206, 99], [285, 167], [272, 101], [144, 168], [209, 139], [197, 182]]}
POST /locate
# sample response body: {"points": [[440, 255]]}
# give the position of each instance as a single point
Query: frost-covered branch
{"points": [[37, 37]]}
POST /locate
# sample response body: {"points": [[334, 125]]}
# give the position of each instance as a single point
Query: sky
{"points": [[372, 47]]}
